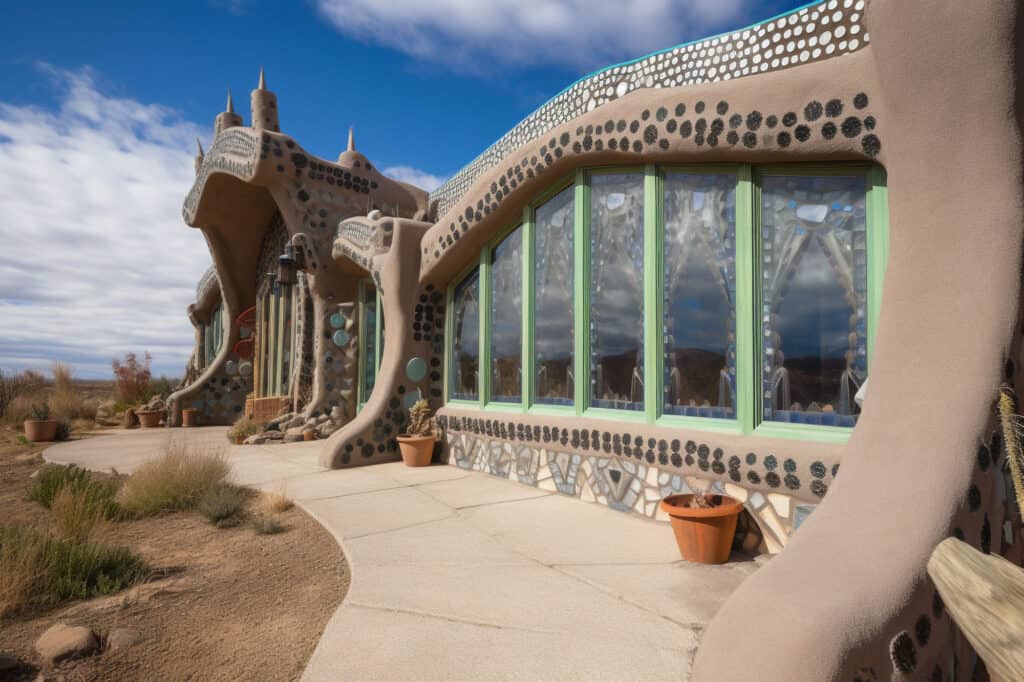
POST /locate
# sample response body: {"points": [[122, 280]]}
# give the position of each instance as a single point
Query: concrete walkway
{"points": [[462, 576]]}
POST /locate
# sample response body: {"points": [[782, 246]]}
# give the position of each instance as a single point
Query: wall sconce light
{"points": [[286, 274]]}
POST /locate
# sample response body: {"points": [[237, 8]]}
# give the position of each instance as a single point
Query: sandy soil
{"points": [[225, 604]]}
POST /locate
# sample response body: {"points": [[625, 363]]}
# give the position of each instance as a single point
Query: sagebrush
{"points": [[174, 481], [224, 505]]}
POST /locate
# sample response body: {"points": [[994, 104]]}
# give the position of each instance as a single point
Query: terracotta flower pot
{"points": [[40, 431], [309, 435], [190, 417], [703, 535], [416, 450], [149, 418]]}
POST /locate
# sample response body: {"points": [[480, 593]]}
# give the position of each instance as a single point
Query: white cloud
{"points": [[414, 176], [576, 33], [95, 260]]}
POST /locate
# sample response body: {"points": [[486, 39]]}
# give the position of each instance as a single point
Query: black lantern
{"points": [[286, 266]]}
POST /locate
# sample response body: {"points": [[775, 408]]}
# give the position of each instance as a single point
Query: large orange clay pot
{"points": [[40, 431], [149, 418], [190, 417], [416, 450], [703, 535]]}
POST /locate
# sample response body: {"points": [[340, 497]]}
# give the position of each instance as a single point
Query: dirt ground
{"points": [[224, 604]]}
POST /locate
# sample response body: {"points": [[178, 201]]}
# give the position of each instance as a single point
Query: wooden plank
{"points": [[984, 594]]}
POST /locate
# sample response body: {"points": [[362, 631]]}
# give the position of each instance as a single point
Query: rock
{"points": [[122, 638], [293, 437], [258, 439], [130, 420], [105, 409], [62, 642], [295, 430], [324, 431], [273, 435], [337, 414]]}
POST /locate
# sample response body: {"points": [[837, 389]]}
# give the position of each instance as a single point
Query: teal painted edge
{"points": [[806, 432], [483, 371], [747, 318], [527, 363], [653, 343], [878, 248], [581, 293]]}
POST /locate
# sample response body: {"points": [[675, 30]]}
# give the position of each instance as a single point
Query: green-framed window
{"points": [[213, 335], [371, 338], [275, 352], [735, 298]]}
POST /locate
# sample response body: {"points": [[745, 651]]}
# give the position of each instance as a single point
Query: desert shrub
{"points": [[82, 495], [40, 411], [278, 500], [22, 440], [81, 513], [266, 525], [174, 481], [13, 386], [67, 402], [224, 505], [158, 387], [20, 409], [51, 478], [244, 427], [38, 570], [132, 377], [63, 431]]}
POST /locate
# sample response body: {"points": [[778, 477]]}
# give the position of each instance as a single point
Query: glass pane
{"points": [[507, 318], [286, 338], [465, 357], [553, 308], [616, 291], [700, 295], [369, 339], [814, 293]]}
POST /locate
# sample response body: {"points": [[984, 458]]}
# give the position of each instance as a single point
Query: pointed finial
{"points": [[231, 104], [200, 145], [263, 81], [351, 140]]}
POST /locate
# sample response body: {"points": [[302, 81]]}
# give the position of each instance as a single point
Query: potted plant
{"points": [[704, 525], [149, 418], [242, 429], [40, 428], [189, 417], [417, 446]]}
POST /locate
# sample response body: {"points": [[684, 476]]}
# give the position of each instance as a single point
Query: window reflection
{"points": [[700, 295], [814, 286], [553, 308], [369, 338], [466, 338], [507, 318], [616, 290]]}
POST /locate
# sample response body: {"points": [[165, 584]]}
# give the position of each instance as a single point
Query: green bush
{"points": [[63, 431], [175, 481], [266, 525], [53, 477], [38, 571], [224, 506]]}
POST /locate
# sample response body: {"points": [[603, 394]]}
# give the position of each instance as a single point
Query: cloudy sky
{"points": [[101, 105]]}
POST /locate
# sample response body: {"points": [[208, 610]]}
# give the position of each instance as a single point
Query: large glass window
{"points": [[814, 297], [700, 294], [506, 318], [616, 290], [465, 354], [737, 297], [553, 300], [368, 339], [274, 343]]}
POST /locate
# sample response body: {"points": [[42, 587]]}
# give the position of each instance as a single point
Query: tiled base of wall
{"points": [[618, 483]]}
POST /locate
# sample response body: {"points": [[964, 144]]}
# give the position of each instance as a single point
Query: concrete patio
{"points": [[460, 575]]}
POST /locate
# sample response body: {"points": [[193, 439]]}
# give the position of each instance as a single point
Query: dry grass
{"points": [[278, 501], [224, 505], [175, 481], [80, 514]]}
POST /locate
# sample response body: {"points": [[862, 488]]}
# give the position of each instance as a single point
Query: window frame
{"points": [[362, 392], [748, 408]]}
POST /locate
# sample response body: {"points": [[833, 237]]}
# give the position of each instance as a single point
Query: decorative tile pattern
{"points": [[828, 29]]}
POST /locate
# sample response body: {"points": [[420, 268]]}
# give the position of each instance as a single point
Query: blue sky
{"points": [[105, 98]]}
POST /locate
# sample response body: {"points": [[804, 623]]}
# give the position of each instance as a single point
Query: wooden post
{"points": [[984, 594]]}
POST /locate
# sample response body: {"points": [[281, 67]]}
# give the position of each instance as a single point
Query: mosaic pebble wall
{"points": [[221, 399], [828, 29], [596, 466], [697, 122], [233, 151]]}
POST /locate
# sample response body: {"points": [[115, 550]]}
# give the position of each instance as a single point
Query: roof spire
{"points": [[200, 145], [263, 81], [351, 140], [231, 104]]}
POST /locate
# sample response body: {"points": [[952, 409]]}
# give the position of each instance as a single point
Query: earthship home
{"points": [[781, 263]]}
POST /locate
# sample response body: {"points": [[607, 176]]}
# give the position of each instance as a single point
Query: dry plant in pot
{"points": [[40, 428], [417, 445], [704, 525]]}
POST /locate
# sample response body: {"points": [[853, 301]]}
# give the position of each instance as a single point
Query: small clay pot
{"points": [[417, 451], [149, 418], [40, 430], [704, 536], [309, 435], [190, 417]]}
